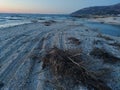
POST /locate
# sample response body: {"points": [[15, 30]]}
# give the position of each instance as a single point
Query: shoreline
{"points": [[107, 20]]}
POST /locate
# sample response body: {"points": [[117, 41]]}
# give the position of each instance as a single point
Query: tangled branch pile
{"points": [[65, 65]]}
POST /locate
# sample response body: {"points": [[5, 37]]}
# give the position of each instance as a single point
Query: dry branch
{"points": [[61, 64]]}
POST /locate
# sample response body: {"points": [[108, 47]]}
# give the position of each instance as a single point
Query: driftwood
{"points": [[62, 64]]}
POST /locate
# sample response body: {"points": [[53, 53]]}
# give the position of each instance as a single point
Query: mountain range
{"points": [[98, 10]]}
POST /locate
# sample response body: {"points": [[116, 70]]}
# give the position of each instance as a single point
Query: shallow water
{"points": [[7, 20], [105, 28]]}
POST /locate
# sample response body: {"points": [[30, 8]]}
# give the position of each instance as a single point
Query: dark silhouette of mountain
{"points": [[98, 10]]}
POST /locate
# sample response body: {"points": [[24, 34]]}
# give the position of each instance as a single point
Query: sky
{"points": [[50, 6]]}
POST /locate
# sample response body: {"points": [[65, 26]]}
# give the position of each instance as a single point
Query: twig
{"points": [[76, 55], [76, 63], [48, 81], [40, 71]]}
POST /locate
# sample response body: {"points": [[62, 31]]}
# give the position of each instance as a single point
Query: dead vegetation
{"points": [[104, 37], [64, 64], [74, 40], [41, 18], [95, 42], [49, 22], [115, 44], [103, 54], [34, 21], [1, 84], [103, 72], [86, 30], [34, 56]]}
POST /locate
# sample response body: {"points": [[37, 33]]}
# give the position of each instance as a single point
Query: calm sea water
{"points": [[113, 30], [9, 19]]}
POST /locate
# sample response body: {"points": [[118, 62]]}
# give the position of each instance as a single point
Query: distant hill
{"points": [[98, 10]]}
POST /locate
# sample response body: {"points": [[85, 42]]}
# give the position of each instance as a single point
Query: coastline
{"points": [[107, 20]]}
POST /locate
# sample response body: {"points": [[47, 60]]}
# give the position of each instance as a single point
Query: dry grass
{"points": [[102, 72], [34, 56], [49, 22], [86, 30], [34, 21], [1, 84], [104, 37], [115, 44], [63, 65], [103, 54], [74, 40], [95, 42], [41, 18]]}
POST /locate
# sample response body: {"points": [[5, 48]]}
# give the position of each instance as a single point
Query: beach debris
{"points": [[86, 30], [34, 21], [63, 65], [103, 54], [1, 84], [34, 56], [114, 18], [115, 44], [103, 72], [104, 37], [49, 22], [74, 40], [95, 42], [41, 18], [102, 22]]}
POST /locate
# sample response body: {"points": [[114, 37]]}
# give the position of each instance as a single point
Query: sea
{"points": [[12, 19]]}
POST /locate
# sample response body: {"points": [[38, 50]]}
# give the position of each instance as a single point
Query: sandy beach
{"points": [[18, 44]]}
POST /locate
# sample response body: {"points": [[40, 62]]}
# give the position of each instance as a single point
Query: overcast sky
{"points": [[50, 6]]}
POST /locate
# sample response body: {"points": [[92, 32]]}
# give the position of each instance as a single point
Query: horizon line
{"points": [[33, 13]]}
